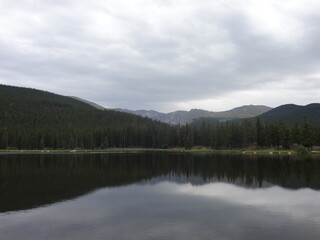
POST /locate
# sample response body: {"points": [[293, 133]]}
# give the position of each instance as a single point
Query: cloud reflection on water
{"points": [[168, 210]]}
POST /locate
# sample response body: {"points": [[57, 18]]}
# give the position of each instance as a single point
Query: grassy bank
{"points": [[261, 152]]}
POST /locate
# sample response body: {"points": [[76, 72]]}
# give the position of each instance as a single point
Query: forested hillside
{"points": [[294, 114], [33, 119]]}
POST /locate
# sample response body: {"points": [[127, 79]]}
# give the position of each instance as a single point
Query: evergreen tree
{"points": [[307, 134], [260, 133]]}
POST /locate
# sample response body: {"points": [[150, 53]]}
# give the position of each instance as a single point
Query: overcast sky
{"points": [[164, 54]]}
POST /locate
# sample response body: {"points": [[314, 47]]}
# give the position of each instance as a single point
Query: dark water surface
{"points": [[158, 196]]}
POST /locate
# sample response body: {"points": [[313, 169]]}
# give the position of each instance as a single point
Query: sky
{"points": [[164, 55]]}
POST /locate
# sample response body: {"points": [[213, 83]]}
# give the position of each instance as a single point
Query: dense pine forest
{"points": [[253, 133], [33, 119]]}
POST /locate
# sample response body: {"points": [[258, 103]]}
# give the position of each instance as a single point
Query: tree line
{"points": [[253, 133], [110, 129]]}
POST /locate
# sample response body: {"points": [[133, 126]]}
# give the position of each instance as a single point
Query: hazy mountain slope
{"points": [[291, 113], [245, 111], [176, 117], [144, 113], [184, 117], [88, 102]]}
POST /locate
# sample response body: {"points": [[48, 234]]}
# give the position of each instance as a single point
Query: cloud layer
{"points": [[164, 55]]}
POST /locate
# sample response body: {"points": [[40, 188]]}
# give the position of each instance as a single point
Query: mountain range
{"points": [[288, 113], [183, 117]]}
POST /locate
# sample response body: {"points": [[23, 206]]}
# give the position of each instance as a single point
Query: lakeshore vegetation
{"points": [[33, 119]]}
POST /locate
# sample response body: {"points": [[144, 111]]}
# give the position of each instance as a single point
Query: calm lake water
{"points": [[120, 196]]}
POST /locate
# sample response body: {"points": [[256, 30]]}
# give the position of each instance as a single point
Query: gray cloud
{"points": [[164, 55]]}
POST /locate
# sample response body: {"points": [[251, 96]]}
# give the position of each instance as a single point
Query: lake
{"points": [[158, 196]]}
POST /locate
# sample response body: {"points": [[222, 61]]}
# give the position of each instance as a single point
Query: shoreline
{"points": [[124, 150]]}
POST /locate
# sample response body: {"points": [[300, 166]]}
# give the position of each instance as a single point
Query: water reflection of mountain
{"points": [[31, 180]]}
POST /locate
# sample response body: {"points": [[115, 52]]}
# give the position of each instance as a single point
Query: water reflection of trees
{"points": [[28, 181]]}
